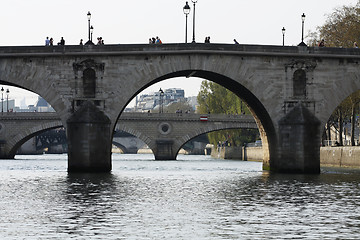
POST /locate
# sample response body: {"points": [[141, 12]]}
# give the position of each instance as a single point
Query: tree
{"points": [[183, 106], [341, 28], [214, 98]]}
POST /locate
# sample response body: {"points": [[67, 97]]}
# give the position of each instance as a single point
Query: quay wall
{"points": [[340, 156], [329, 156], [238, 153]]}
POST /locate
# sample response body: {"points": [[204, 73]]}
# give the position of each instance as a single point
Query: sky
{"points": [[28, 23]]}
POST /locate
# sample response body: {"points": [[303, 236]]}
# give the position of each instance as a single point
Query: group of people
{"points": [[50, 42], [100, 41], [322, 44], [156, 40]]}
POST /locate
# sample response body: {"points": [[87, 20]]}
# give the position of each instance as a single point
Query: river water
{"points": [[195, 197]]}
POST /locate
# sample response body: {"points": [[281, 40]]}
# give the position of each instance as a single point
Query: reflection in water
{"points": [[194, 198]]}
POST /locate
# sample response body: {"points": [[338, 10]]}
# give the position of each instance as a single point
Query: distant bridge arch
{"points": [[166, 133]]}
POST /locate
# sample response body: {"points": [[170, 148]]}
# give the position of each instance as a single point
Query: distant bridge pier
{"points": [[89, 141], [164, 150], [4, 154]]}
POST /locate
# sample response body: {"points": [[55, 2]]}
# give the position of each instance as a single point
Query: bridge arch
{"points": [[191, 135], [237, 85], [21, 137], [181, 129]]}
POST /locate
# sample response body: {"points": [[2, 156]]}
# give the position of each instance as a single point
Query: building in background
{"points": [[40, 106], [151, 101]]}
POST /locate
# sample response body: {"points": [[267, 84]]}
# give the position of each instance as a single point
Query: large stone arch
{"points": [[263, 119]]}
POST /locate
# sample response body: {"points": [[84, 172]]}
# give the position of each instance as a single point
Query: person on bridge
{"points": [[158, 40], [322, 43], [62, 41], [51, 41], [47, 41]]}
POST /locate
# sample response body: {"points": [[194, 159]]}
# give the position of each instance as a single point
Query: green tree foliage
{"points": [[183, 106], [215, 99], [341, 28]]}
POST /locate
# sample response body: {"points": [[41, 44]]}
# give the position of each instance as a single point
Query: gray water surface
{"points": [[196, 197]]}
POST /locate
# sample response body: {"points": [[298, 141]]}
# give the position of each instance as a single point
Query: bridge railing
{"points": [[138, 116], [187, 117], [28, 115]]}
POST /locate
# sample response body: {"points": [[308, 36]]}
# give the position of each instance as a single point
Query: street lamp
{"points": [[2, 100], [302, 32], [7, 100], [194, 2], [186, 10], [89, 29], [161, 100], [283, 33]]}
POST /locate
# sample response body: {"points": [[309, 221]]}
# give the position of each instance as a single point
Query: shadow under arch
{"points": [[260, 114]]}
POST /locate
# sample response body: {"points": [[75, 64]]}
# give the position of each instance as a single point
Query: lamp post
{"points": [[7, 100], [302, 30], [283, 33], [161, 94], [186, 10], [2, 100], [89, 30], [193, 39]]}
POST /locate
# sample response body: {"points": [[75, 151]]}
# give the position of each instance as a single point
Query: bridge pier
{"points": [[5, 154], [299, 148], [164, 150], [89, 141]]}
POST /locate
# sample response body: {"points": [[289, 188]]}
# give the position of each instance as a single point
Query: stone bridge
{"points": [[291, 91], [164, 133]]}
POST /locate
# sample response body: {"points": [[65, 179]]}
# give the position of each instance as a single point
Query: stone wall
{"points": [[329, 156], [253, 154], [227, 152], [238, 153], [340, 156]]}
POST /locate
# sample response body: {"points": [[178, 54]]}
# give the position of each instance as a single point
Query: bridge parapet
{"points": [[178, 48], [188, 117]]}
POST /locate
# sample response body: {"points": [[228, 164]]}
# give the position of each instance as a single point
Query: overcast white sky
{"points": [[25, 22]]}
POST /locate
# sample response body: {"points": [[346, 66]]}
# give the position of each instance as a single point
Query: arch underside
{"points": [[260, 114]]}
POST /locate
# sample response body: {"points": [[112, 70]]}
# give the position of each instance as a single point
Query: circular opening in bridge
{"points": [[164, 128]]}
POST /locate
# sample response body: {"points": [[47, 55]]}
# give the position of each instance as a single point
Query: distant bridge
{"points": [[164, 133]]}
